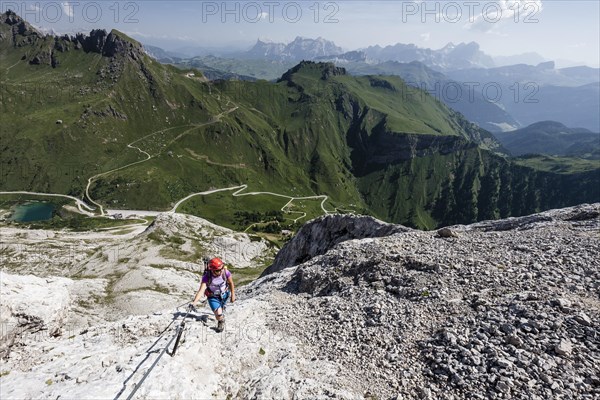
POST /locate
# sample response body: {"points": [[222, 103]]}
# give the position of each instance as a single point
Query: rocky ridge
{"points": [[319, 235], [499, 309], [133, 270], [17, 29], [112, 44]]}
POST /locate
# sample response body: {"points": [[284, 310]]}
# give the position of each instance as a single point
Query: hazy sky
{"points": [[556, 29]]}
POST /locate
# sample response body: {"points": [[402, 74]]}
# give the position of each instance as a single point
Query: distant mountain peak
{"points": [[546, 65], [552, 138], [548, 124], [97, 41], [108, 44], [46, 49], [351, 56], [325, 69], [13, 23], [300, 48], [450, 57]]}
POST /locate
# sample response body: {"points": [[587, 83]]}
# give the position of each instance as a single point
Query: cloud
{"points": [[264, 15], [68, 9], [488, 15], [425, 36]]}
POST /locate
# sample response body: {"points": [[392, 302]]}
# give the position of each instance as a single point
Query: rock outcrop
{"points": [[19, 31], [326, 70], [108, 44], [15, 28], [320, 235]]}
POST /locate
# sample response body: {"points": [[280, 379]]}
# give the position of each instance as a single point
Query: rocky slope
{"points": [[499, 309], [128, 271], [503, 309], [107, 360]]}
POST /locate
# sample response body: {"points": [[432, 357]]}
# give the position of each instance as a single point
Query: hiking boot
{"points": [[221, 326]]}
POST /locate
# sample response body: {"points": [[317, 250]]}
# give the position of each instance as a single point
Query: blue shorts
{"points": [[216, 302]]}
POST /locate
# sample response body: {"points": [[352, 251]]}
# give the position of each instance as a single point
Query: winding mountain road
{"points": [[238, 189], [241, 188], [213, 120]]}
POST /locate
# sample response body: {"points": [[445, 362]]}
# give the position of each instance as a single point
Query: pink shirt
{"points": [[218, 284]]}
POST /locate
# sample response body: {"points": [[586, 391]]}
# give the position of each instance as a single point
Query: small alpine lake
{"points": [[32, 211]]}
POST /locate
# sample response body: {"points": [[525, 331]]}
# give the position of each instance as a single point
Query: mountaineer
{"points": [[217, 285]]}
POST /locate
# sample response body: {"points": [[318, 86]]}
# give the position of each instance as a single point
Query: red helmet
{"points": [[215, 264]]}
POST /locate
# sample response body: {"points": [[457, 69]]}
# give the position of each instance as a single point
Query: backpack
{"points": [[207, 273]]}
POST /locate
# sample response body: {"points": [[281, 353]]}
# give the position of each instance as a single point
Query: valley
{"points": [[384, 227], [147, 136]]}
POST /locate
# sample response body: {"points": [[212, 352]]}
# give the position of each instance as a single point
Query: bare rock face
{"points": [[13, 27], [17, 29], [108, 44], [31, 304], [508, 309], [235, 248], [320, 235]]}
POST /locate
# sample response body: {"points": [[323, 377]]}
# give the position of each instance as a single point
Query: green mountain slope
{"points": [[144, 135], [474, 185], [456, 95]]}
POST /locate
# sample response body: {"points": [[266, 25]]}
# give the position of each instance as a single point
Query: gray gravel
{"points": [[499, 310]]}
